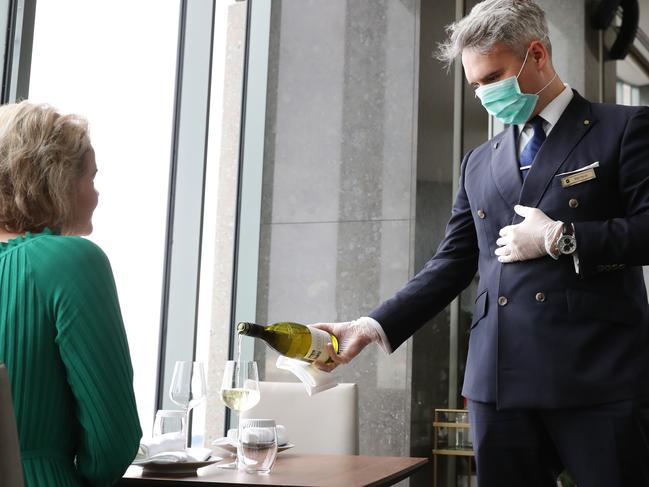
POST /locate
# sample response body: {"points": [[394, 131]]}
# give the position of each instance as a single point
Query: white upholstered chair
{"points": [[326, 422], [11, 471]]}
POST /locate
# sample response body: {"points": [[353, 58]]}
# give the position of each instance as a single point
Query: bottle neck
{"points": [[251, 329]]}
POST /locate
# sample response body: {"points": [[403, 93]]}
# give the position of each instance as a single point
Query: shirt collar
{"points": [[553, 110]]}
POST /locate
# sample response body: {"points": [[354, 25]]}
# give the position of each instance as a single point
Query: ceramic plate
{"points": [[177, 469]]}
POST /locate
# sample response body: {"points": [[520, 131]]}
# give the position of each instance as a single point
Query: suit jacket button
{"points": [[573, 203], [540, 297], [502, 301], [481, 214]]}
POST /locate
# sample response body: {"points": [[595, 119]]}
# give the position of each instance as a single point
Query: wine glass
{"points": [[239, 390], [188, 387]]}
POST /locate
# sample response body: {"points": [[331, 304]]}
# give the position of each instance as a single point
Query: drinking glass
{"points": [[239, 390], [170, 423], [258, 442], [188, 388], [462, 440]]}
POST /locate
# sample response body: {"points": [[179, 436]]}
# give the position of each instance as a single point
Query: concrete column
{"points": [[225, 164], [339, 187]]}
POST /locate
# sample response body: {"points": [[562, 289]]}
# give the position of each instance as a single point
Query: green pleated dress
{"points": [[63, 341]]}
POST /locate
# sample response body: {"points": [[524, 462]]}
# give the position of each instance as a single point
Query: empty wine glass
{"points": [[239, 389], [188, 387]]}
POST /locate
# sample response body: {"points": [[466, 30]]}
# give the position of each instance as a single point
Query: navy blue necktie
{"points": [[533, 145]]}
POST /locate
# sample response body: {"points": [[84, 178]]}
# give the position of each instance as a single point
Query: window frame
{"points": [[187, 168]]}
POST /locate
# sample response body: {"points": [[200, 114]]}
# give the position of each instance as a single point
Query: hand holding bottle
{"points": [[353, 337]]}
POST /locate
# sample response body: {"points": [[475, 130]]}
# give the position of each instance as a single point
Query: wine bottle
{"points": [[293, 340]]}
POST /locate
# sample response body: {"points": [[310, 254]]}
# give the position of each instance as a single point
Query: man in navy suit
{"points": [[554, 214]]}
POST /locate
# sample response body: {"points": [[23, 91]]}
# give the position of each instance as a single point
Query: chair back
{"points": [[11, 470], [326, 422]]}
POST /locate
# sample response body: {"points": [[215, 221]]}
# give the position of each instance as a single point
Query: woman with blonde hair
{"points": [[61, 332]]}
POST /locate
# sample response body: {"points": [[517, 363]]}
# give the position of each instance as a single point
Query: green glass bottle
{"points": [[293, 340]]}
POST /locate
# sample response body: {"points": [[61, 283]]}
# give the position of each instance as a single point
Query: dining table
{"points": [[292, 470]]}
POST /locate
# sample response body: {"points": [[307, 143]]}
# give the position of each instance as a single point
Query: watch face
{"points": [[567, 244]]}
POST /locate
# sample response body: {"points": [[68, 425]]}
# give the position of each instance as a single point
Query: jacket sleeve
{"points": [[94, 349], [623, 240], [443, 277]]}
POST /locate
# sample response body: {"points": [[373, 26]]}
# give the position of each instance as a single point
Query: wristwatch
{"points": [[567, 243]]}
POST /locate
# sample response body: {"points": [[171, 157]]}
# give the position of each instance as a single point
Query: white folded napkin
{"points": [[258, 436], [178, 456], [169, 448], [282, 437], [152, 445], [314, 379]]}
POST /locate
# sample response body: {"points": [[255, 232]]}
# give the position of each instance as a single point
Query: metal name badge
{"points": [[578, 177]]}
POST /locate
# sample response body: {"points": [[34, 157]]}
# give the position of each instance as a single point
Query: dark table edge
{"points": [[397, 477], [169, 481]]}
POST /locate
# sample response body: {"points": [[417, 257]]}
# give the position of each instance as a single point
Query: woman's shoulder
{"points": [[66, 252]]}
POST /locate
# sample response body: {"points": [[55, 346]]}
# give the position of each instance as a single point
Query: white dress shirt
{"points": [[550, 114]]}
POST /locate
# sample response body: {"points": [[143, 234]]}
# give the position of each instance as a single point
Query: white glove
{"points": [[353, 336], [534, 237]]}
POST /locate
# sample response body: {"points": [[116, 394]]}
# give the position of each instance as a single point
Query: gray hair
{"points": [[516, 23]]}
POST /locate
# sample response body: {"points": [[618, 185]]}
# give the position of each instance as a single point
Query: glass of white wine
{"points": [[239, 390]]}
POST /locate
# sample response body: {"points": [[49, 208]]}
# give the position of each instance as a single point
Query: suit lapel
{"points": [[504, 166], [573, 124]]}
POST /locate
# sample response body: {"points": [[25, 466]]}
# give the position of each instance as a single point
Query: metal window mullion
{"points": [[251, 163], [17, 22], [186, 192], [458, 142]]}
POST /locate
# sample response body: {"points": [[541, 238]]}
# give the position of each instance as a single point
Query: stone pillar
{"points": [[576, 49], [226, 165], [339, 186]]}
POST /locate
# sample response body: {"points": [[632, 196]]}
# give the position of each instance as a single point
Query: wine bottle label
{"points": [[318, 350]]}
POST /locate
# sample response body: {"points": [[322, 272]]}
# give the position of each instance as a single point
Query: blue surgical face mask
{"points": [[505, 100]]}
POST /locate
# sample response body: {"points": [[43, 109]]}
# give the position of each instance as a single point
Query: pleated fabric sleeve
{"points": [[93, 346], [68, 356]]}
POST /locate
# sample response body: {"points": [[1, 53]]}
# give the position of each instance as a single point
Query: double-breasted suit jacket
{"points": [[544, 335]]}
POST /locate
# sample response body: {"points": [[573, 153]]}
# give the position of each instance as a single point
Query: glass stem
{"points": [[187, 429], [239, 446]]}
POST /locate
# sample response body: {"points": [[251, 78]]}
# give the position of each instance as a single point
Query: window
{"points": [[165, 132], [627, 94], [111, 63]]}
